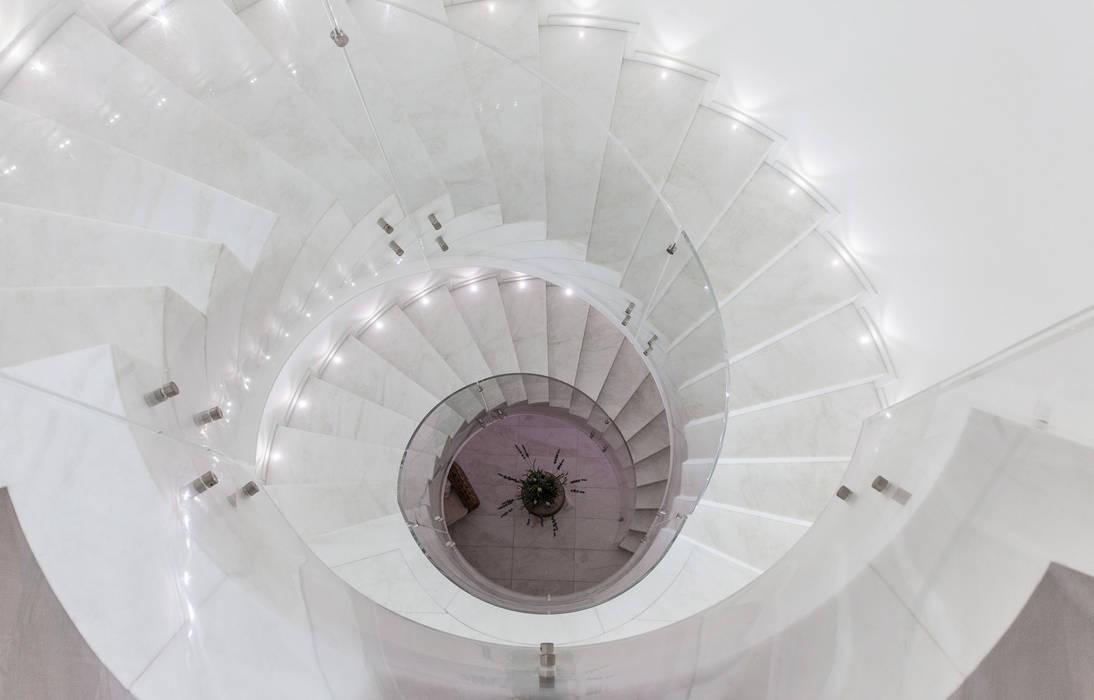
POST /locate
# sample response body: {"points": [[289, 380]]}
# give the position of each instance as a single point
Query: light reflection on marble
{"points": [[642, 407], [792, 489], [835, 350], [511, 117], [324, 408], [717, 158], [211, 54], [481, 307], [626, 375], [566, 316], [653, 109], [358, 368], [650, 439], [302, 456], [600, 344], [809, 280], [587, 62], [755, 540], [422, 66], [91, 179], [399, 342]]}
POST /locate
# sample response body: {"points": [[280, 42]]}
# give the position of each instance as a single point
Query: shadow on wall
{"points": [[1048, 650], [42, 655]]}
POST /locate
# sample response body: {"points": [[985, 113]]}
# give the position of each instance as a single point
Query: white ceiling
{"points": [[955, 138]]}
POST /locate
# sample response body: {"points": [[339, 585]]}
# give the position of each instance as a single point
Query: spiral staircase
{"points": [[321, 241]]}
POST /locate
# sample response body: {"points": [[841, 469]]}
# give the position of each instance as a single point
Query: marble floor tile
{"points": [[492, 562], [546, 564], [595, 565], [541, 587]]}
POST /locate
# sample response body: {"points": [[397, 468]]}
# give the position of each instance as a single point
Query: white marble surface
{"points": [[585, 63], [798, 490], [654, 436], [810, 280], [653, 109], [600, 344], [301, 457], [706, 396], [314, 509], [133, 114], [422, 65], [626, 375], [823, 426], [507, 98], [296, 33], [481, 307], [525, 304], [89, 178], [47, 321], [566, 317], [654, 468], [207, 51], [717, 158], [397, 340], [358, 368], [324, 408], [312, 257], [835, 350], [751, 539], [704, 580], [88, 253], [440, 322], [770, 213], [642, 407]]}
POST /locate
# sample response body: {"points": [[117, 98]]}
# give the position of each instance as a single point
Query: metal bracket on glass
{"points": [[627, 313], [435, 222], [201, 484], [441, 242], [671, 250], [843, 493], [385, 226], [395, 247], [649, 345], [161, 394], [339, 37], [547, 663], [208, 415]]}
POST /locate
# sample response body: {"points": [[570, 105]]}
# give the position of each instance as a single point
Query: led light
{"points": [[302, 403], [337, 359], [491, 7], [425, 301], [581, 34], [734, 126], [276, 456], [664, 75], [380, 325], [307, 314], [836, 262], [864, 339], [792, 190], [569, 292], [474, 287], [522, 284]]}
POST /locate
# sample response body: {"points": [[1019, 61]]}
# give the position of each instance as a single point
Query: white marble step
{"points": [[303, 457], [753, 539], [836, 350], [45, 249], [422, 65], [316, 508], [395, 338], [483, 311], [153, 324], [653, 110], [771, 214], [585, 63], [296, 33], [440, 322], [626, 375], [566, 318], [654, 468], [525, 303], [325, 408], [718, 157], [650, 495], [359, 369], [212, 55], [48, 166], [135, 113], [652, 438], [600, 344], [825, 426], [798, 490], [510, 113], [643, 406], [705, 578]]}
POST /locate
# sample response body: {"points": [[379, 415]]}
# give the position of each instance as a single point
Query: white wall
{"points": [[955, 138]]}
